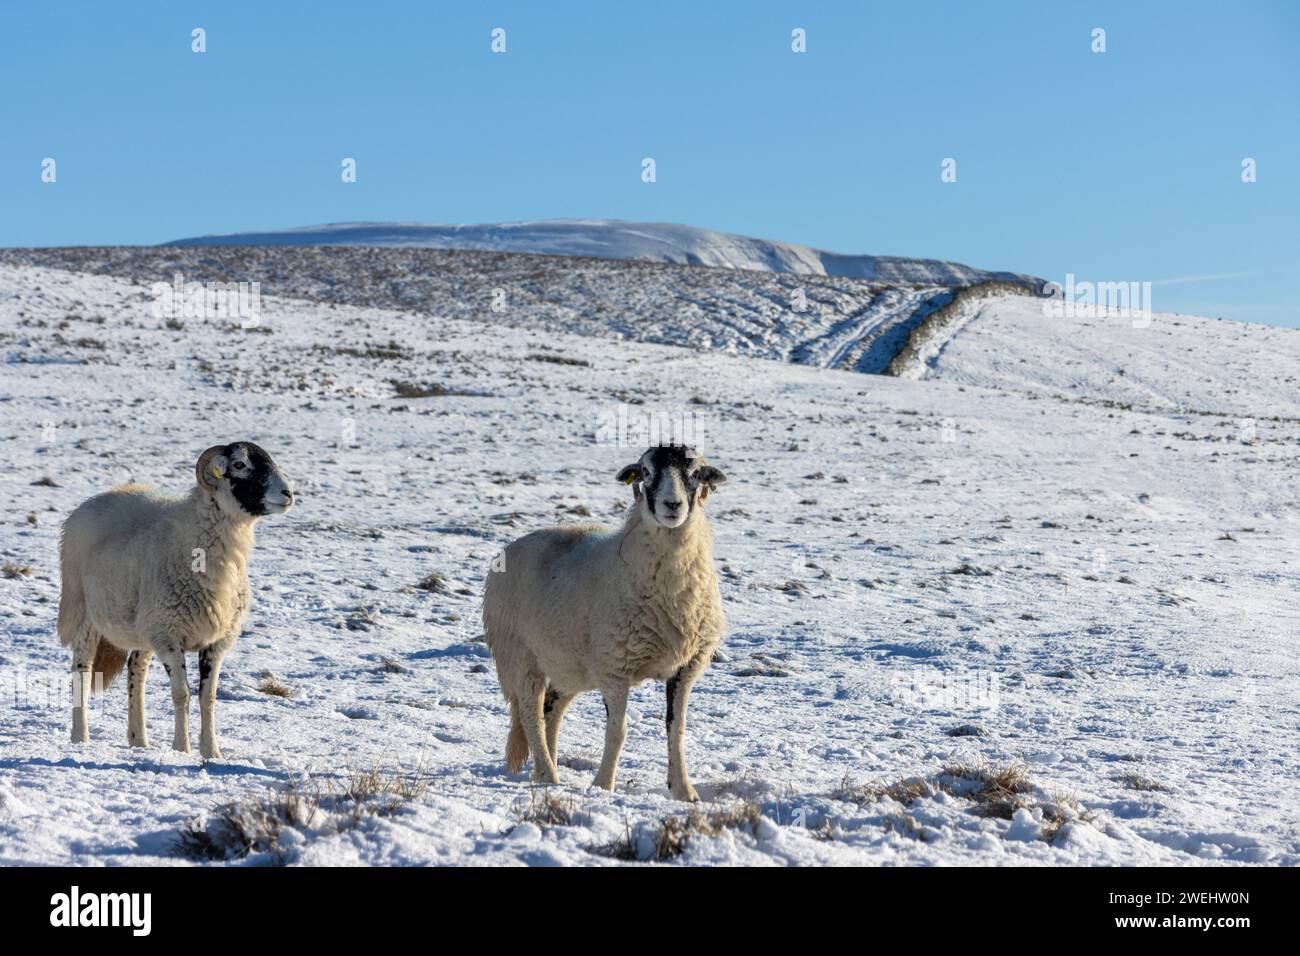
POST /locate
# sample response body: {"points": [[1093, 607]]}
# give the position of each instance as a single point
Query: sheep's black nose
{"points": [[671, 505], [288, 495]]}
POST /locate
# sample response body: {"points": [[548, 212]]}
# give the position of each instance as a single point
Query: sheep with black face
{"points": [[579, 608], [144, 573]]}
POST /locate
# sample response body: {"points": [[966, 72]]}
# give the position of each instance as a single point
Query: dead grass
{"points": [[362, 619], [235, 830], [261, 825], [436, 390], [376, 792], [11, 569], [435, 583], [825, 832], [994, 791], [1137, 781], [545, 809], [904, 824], [901, 791], [411, 390], [390, 352], [274, 687], [1059, 812], [999, 791], [674, 834], [387, 665], [623, 848], [558, 359]]}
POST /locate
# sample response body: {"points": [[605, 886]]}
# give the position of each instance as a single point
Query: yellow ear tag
{"points": [[630, 479], [217, 472]]}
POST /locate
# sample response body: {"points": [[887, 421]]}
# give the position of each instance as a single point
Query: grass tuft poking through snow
{"points": [[11, 569], [387, 665], [234, 830], [675, 833], [902, 792], [999, 791], [1137, 781], [278, 823], [995, 791], [434, 583], [545, 809], [274, 687]]}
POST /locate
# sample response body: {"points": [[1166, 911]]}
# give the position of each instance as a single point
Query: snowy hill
{"points": [[1165, 362], [828, 321], [926, 579], [614, 239]]}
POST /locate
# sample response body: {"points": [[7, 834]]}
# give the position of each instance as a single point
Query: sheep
{"points": [[147, 574], [577, 608]]}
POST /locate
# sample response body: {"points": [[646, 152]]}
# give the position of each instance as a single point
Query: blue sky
{"points": [[1122, 166]]}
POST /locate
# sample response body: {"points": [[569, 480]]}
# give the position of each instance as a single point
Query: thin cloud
{"points": [[1185, 280]]}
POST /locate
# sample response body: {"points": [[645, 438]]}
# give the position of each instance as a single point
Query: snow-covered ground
{"points": [[972, 570], [1161, 362], [829, 321], [618, 239]]}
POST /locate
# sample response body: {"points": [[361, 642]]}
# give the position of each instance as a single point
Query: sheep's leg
{"points": [[615, 733], [678, 694], [137, 669], [83, 662], [553, 708], [532, 716], [210, 659], [173, 661]]}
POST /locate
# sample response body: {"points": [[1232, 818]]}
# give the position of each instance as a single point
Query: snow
{"points": [[1095, 581], [616, 239], [816, 320], [1163, 362]]}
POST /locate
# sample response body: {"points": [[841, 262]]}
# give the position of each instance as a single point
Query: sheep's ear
{"points": [[711, 477], [211, 468], [628, 474]]}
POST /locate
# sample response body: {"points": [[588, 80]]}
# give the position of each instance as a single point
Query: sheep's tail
{"points": [[72, 608], [75, 630], [517, 742], [109, 661]]}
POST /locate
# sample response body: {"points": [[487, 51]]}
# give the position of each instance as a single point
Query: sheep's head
{"points": [[669, 481], [243, 480]]}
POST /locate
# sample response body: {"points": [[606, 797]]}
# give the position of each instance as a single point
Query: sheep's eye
{"points": [[239, 466]]}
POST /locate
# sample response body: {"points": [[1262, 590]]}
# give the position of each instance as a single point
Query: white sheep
{"points": [[579, 608], [152, 574]]}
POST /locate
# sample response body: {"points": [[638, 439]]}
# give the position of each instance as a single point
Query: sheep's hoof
{"points": [[210, 753], [686, 793], [182, 745], [546, 777]]}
